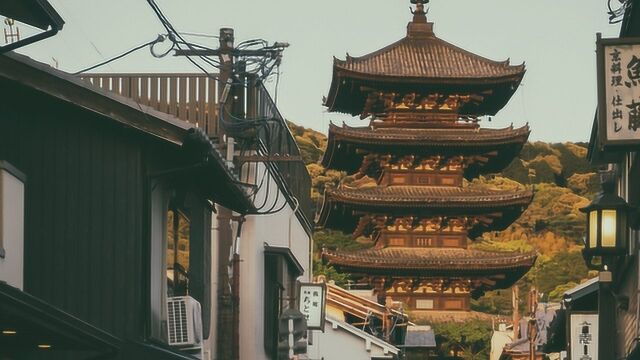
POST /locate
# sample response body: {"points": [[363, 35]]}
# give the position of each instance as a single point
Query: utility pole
{"points": [[515, 300], [532, 325]]}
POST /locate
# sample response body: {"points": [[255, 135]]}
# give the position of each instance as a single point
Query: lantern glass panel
{"points": [[609, 228], [593, 229]]}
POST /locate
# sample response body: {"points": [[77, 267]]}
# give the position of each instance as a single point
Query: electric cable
{"points": [[160, 38]]}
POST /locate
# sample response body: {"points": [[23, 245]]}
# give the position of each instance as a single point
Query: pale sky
{"points": [[555, 38]]}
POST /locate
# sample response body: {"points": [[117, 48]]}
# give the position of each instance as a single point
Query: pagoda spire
{"points": [[419, 26]]}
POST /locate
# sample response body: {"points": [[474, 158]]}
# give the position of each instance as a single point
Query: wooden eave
{"points": [[434, 262], [33, 75], [342, 208], [343, 143]]}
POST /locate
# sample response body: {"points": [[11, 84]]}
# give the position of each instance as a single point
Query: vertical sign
{"points": [[584, 336], [619, 91], [312, 298]]}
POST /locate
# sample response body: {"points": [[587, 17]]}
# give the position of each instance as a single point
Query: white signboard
{"points": [[584, 336], [312, 304], [619, 91]]}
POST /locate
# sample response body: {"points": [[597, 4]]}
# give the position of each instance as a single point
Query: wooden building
{"points": [[118, 201], [411, 166]]}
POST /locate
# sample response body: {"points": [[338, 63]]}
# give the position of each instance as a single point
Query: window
{"points": [[11, 224], [281, 269], [180, 254], [424, 303], [178, 250]]}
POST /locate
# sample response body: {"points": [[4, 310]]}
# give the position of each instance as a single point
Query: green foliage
{"points": [[319, 268], [563, 268], [555, 295], [494, 302], [332, 239], [310, 142], [471, 341], [586, 185]]}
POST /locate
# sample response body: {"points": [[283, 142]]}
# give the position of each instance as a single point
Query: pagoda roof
{"points": [[423, 63], [433, 262], [342, 207], [430, 196], [343, 143], [428, 58]]}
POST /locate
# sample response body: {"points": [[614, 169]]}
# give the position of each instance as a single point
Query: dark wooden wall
{"points": [[83, 220], [86, 206]]}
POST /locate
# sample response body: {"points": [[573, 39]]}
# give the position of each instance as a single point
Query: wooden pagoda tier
{"points": [[421, 72], [420, 271], [481, 151], [352, 210]]}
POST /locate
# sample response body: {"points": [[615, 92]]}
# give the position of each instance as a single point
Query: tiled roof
{"points": [[429, 196], [428, 58], [431, 137], [439, 259]]}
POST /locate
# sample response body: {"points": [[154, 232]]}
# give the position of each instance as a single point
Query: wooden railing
{"points": [[194, 98], [189, 97]]}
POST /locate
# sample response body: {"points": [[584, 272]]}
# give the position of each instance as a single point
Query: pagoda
{"points": [[411, 167]]}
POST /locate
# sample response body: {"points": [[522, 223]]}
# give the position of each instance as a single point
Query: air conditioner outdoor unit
{"points": [[184, 318]]}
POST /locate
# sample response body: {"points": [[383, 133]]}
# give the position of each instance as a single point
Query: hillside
{"points": [[563, 181]]}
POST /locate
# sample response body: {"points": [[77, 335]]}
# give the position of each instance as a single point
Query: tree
{"points": [[470, 341]]}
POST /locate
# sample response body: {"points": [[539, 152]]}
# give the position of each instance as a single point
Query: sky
{"points": [[555, 39]]}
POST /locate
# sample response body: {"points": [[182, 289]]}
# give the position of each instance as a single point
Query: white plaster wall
{"points": [[12, 229], [281, 229], [337, 343], [209, 345]]}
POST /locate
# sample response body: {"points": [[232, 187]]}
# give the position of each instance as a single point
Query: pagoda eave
{"points": [[347, 93], [345, 145], [342, 208], [503, 269]]}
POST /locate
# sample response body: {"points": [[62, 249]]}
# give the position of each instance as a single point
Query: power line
{"points": [[160, 38]]}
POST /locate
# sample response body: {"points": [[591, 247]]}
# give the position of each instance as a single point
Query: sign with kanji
{"points": [[619, 91], [584, 336], [311, 303]]}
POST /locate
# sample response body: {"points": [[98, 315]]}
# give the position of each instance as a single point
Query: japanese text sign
{"points": [[312, 298], [584, 336], [619, 91]]}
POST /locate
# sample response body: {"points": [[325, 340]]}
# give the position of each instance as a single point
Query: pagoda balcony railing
{"points": [[189, 97]]}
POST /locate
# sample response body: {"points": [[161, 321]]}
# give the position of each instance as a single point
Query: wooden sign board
{"points": [[618, 62]]}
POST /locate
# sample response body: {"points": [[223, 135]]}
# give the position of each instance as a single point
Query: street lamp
{"points": [[606, 223], [606, 238]]}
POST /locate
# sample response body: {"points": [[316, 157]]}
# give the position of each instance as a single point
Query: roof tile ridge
{"points": [[504, 63], [388, 48]]}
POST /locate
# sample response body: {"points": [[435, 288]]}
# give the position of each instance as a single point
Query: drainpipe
{"points": [[235, 290]]}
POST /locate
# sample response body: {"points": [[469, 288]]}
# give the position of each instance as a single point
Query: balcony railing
{"points": [[189, 97]]}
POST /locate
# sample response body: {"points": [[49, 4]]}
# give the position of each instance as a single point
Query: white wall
{"points": [[342, 341], [12, 227], [281, 229]]}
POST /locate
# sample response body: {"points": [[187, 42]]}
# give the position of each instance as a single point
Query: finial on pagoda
{"points": [[419, 26]]}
